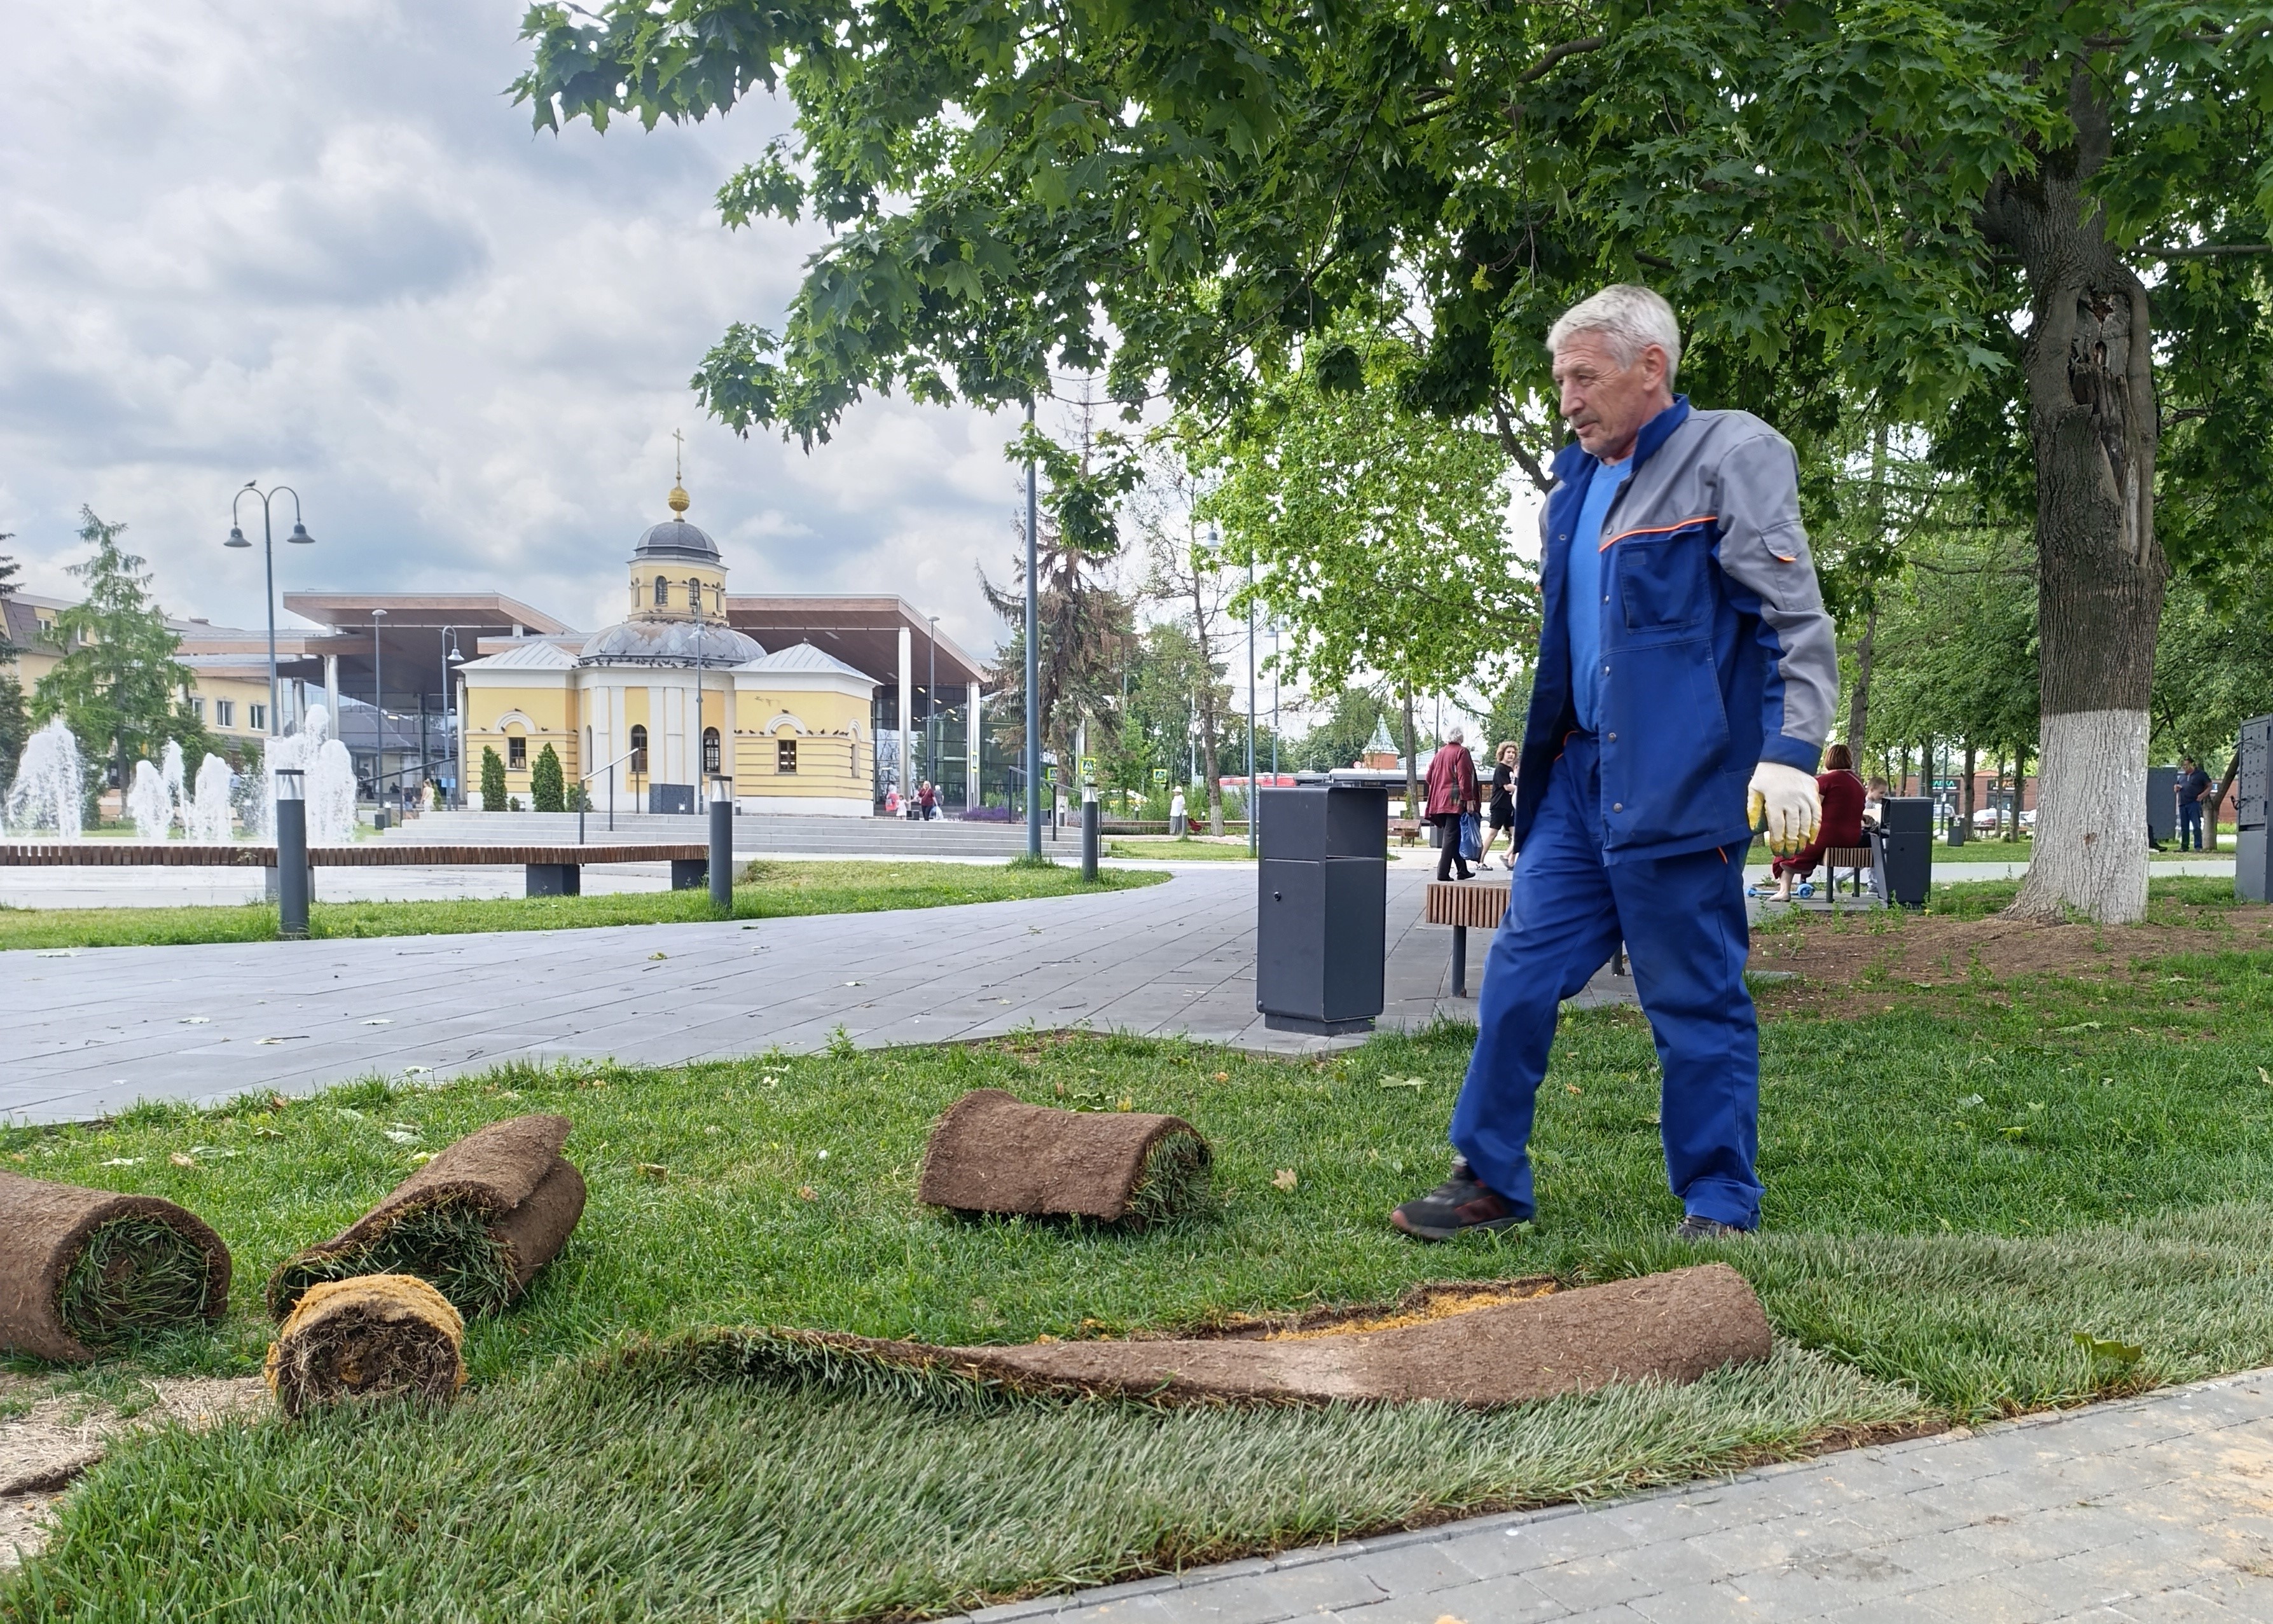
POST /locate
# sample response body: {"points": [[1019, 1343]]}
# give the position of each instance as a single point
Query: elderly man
{"points": [[1683, 692]]}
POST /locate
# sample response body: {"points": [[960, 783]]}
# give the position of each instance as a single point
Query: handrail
{"points": [[609, 769]]}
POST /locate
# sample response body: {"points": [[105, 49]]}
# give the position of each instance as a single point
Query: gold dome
{"points": [[678, 499]]}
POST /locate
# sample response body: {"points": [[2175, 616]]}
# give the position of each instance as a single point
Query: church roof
{"points": [[670, 642], [675, 541], [1380, 743], [805, 657], [536, 654]]}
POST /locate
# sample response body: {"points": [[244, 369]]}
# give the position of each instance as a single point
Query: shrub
{"points": [[544, 783], [492, 780]]}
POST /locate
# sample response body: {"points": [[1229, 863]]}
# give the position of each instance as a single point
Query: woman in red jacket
{"points": [[1842, 793], [1451, 791]]}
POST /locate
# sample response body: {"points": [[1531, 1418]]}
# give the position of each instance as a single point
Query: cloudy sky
{"points": [[317, 243]]}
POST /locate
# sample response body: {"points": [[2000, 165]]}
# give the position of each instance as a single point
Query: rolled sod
{"points": [[476, 1223], [993, 1153], [1474, 1346], [81, 1270], [373, 1336]]}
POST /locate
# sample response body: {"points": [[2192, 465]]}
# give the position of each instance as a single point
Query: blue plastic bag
{"points": [[1472, 837]]}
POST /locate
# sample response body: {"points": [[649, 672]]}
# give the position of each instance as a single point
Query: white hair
{"points": [[1630, 318], [1453, 736]]}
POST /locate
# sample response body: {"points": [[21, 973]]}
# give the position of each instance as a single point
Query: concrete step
{"points": [[848, 837]]}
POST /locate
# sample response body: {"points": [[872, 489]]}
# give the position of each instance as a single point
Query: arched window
{"points": [[695, 593], [639, 748], [710, 750], [662, 592]]}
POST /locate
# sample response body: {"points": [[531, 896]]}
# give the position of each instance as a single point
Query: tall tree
{"points": [[1379, 532], [1086, 629], [1184, 577], [118, 686], [1901, 204]]}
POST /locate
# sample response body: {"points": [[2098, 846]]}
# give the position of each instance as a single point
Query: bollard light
{"points": [[721, 842], [292, 877]]}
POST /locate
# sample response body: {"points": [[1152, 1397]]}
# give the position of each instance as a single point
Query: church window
{"points": [[784, 755], [639, 749], [662, 592], [710, 750], [516, 752], [695, 593]]}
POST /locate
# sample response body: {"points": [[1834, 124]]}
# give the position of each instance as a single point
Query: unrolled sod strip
{"points": [[1478, 1347], [373, 1336], [478, 1222], [83, 1269], [992, 1153]]}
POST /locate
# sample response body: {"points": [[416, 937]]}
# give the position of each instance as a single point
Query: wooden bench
{"points": [[548, 870], [1477, 905], [1405, 831], [1858, 859]]}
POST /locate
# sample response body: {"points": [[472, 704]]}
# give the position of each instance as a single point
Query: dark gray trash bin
{"points": [[2162, 806], [1902, 850], [1322, 907], [2252, 791]]}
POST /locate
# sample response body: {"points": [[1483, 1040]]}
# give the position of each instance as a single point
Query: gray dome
{"points": [[670, 643], [677, 539]]}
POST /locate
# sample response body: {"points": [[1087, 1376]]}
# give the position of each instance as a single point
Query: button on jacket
{"points": [[1715, 651]]}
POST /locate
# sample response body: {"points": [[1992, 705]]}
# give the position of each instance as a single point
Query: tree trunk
{"points": [[2019, 786], [2211, 807], [1411, 763], [1858, 702], [2091, 413], [1966, 806], [1206, 699]]}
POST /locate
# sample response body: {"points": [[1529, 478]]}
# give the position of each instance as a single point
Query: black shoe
{"points": [[1697, 1228], [1459, 1205]]}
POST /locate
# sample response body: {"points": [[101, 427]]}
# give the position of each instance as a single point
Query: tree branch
{"points": [[1514, 447], [2206, 251], [1569, 47]]}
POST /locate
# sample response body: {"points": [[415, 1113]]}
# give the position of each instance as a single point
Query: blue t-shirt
{"points": [[1583, 597]]}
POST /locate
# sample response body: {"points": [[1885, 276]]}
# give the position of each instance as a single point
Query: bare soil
{"points": [[49, 1436], [1851, 964]]}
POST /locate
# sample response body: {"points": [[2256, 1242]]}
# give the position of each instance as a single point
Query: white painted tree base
{"points": [[2091, 849]]}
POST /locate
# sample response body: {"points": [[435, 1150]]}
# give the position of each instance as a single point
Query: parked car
{"points": [[1987, 818]]}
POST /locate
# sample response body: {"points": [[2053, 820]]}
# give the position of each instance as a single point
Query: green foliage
{"points": [[1379, 531], [492, 780], [2213, 670], [15, 726], [438, 803], [133, 1277], [1341, 736], [1956, 647], [118, 686], [545, 785]]}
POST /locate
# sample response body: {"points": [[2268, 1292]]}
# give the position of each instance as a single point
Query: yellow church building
{"points": [[649, 710]]}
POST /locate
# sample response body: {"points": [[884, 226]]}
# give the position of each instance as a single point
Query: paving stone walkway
{"points": [[2159, 1510], [88, 1031]]}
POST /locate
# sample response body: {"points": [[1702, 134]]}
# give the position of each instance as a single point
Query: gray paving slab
{"points": [[2069, 1517], [93, 1031]]}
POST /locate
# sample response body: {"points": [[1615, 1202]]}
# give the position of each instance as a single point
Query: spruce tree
{"points": [[545, 787], [118, 687], [492, 780]]}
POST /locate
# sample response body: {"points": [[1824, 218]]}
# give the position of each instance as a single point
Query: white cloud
{"points": [[317, 243]]}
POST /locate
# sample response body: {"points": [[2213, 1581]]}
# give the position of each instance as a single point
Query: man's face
{"points": [[1604, 402]]}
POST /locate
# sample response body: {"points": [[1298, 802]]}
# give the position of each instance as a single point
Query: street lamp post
{"points": [[931, 706], [378, 712], [1034, 665], [450, 657], [236, 538]]}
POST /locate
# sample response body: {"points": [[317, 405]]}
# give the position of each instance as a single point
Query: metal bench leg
{"points": [[1618, 961], [1459, 960]]}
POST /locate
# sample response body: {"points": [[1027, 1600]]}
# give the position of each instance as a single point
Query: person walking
{"points": [[1503, 807], [1176, 820], [927, 799], [2194, 783], [1683, 684], [1451, 791]]}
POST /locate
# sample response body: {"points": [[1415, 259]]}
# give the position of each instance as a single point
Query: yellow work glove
{"points": [[1785, 798]]}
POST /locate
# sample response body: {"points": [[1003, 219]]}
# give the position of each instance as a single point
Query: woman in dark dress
{"points": [[1842, 794], [1503, 807]]}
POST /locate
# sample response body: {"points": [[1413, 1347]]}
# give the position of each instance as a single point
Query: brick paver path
{"points": [[2159, 1510], [95, 1029]]}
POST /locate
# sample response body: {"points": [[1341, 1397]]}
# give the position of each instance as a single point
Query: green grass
{"points": [[1958, 1186], [131, 1275], [761, 891], [1161, 848]]}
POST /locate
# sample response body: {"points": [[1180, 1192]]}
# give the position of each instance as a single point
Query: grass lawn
{"points": [[1966, 1169], [1205, 849], [761, 891]]}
